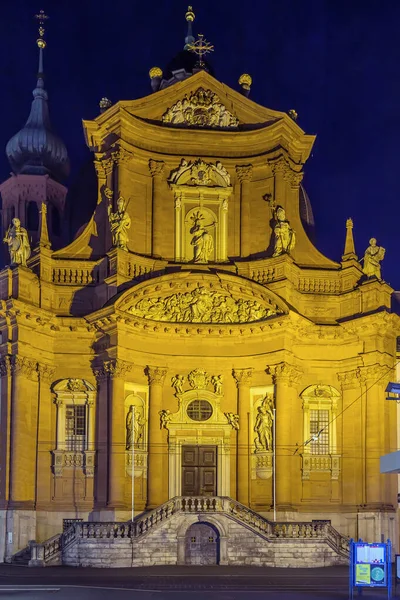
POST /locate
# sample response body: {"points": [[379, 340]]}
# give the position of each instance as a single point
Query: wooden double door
{"points": [[199, 470]]}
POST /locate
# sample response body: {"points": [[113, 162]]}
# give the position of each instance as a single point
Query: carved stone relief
{"points": [[262, 425], [202, 108], [200, 173]]}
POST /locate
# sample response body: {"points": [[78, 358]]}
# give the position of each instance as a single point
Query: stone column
{"points": [[156, 169], [155, 475], [286, 378], [353, 432], [104, 169], [178, 227], [116, 370], [5, 403], [24, 405], [244, 174], [243, 381], [375, 432], [45, 434]]}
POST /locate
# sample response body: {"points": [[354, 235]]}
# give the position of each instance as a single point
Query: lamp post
{"points": [[274, 462]]}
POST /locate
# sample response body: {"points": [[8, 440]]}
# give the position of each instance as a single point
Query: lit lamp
{"points": [[393, 392], [155, 75]]}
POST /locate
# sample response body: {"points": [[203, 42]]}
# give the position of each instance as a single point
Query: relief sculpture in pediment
{"points": [[202, 108]]}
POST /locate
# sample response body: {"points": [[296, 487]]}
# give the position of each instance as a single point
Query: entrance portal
{"points": [[199, 470], [202, 545]]}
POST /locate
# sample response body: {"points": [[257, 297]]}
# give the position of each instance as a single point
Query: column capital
{"points": [[114, 367], [244, 172], [283, 371], [156, 167], [5, 365], [121, 155], [103, 166], [46, 372], [349, 379], [243, 376], [156, 375], [374, 373], [25, 366]]}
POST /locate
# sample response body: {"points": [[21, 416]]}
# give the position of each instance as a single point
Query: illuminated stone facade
{"points": [[216, 317]]}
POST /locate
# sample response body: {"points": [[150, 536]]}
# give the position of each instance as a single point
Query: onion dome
{"points": [[36, 149]]}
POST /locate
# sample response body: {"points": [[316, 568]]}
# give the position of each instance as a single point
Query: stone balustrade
{"points": [[51, 551]]}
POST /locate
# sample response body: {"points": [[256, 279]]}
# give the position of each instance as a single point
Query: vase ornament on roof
{"points": [[202, 108]]}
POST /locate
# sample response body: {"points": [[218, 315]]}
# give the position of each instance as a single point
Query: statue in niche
{"points": [[134, 427], [233, 420], [165, 418], [202, 240], [285, 238], [18, 243], [177, 383], [120, 221], [372, 258], [216, 381], [263, 425]]}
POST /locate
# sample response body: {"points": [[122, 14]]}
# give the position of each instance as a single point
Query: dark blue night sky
{"points": [[337, 62]]}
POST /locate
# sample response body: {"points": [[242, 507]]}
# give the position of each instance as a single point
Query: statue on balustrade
{"points": [[284, 236], [134, 427], [120, 221], [372, 258], [202, 240], [263, 425], [18, 243]]}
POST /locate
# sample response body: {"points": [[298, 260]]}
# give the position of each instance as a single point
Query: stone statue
{"points": [[373, 256], [217, 380], [18, 243], [285, 238], [120, 223], [134, 427], [263, 425], [202, 241], [165, 418], [233, 420], [177, 382]]}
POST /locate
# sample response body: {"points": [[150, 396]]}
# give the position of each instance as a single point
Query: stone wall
{"points": [[165, 545]]}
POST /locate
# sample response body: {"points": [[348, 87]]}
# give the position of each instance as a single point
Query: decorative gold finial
{"points": [[104, 104], [293, 114], [245, 80], [155, 72], [190, 16], [200, 47], [42, 18], [349, 223]]}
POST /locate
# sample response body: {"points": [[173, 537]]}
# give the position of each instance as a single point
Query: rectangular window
{"points": [[319, 419], [75, 428]]}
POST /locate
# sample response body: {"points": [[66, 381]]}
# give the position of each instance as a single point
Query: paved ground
{"points": [[177, 583]]}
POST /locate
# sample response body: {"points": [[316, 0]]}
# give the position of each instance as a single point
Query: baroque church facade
{"points": [[190, 347]]}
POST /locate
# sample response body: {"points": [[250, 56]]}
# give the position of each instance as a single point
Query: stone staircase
{"points": [[158, 538]]}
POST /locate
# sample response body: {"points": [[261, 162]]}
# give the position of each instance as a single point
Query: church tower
{"points": [[39, 162]]}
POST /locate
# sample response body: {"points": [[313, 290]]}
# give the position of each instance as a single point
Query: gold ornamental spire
{"points": [[189, 16], [349, 248], [42, 18], [201, 47]]}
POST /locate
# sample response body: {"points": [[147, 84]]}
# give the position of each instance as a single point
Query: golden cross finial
{"points": [[42, 18], [201, 47]]}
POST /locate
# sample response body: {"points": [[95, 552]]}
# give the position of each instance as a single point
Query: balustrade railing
{"points": [[142, 524]]}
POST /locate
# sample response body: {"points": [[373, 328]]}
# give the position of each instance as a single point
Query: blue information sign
{"points": [[370, 565]]}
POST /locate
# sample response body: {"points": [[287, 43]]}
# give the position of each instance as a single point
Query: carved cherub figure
{"points": [[165, 418], [233, 420], [216, 381], [177, 382]]}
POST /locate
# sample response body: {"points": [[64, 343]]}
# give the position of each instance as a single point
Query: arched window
{"points": [[32, 216]]}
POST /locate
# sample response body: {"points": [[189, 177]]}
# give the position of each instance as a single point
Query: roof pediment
{"points": [[199, 91], [192, 297]]}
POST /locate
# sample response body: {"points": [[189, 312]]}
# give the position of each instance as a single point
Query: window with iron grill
{"points": [[75, 427], [319, 419], [199, 410]]}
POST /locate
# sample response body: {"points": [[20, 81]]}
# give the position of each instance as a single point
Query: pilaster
{"points": [[156, 473], [45, 435], [243, 379], [286, 378], [244, 174], [156, 168]]}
